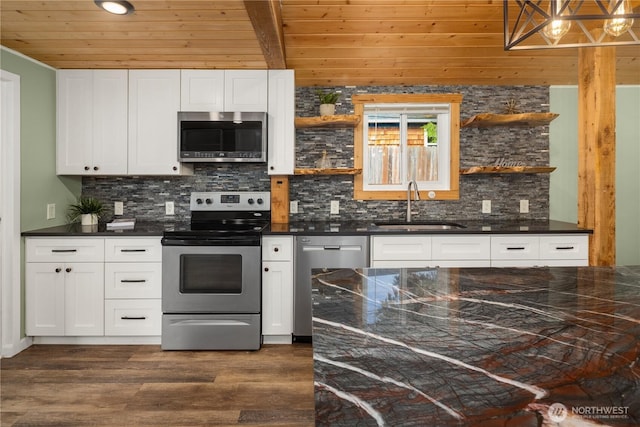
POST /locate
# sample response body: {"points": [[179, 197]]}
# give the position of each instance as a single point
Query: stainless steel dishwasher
{"points": [[321, 252]]}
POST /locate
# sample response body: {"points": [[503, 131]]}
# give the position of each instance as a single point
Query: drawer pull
{"points": [[564, 248], [132, 281], [63, 250], [133, 317], [516, 248], [133, 250]]}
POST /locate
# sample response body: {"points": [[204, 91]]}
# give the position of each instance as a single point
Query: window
{"points": [[404, 138]]}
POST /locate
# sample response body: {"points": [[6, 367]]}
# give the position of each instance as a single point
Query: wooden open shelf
{"points": [[335, 121], [506, 169], [525, 120], [327, 171]]}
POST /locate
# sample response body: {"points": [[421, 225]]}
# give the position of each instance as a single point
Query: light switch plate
{"points": [[524, 206], [486, 206], [335, 207], [293, 206]]}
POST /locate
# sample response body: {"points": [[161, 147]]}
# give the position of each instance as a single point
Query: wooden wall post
{"points": [[279, 199], [596, 151]]}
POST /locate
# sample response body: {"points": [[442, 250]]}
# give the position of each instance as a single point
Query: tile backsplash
{"points": [[144, 197]]}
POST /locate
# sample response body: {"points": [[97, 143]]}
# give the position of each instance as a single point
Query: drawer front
{"points": [[564, 247], [132, 317], [133, 280], [460, 247], [277, 248], [64, 250], [141, 249], [401, 248], [515, 247]]}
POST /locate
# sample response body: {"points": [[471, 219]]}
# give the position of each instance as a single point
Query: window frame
{"points": [[453, 101]]}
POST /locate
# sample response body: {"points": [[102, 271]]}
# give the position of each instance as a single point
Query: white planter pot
{"points": [[327, 109], [88, 219]]}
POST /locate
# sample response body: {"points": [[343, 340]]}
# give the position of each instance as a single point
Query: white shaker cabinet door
{"points": [[202, 90], [245, 90], [282, 133], [84, 299], [91, 122], [154, 101], [45, 299]]}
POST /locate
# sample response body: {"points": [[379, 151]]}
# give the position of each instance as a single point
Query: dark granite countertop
{"points": [[156, 228], [469, 227], [141, 229], [477, 347]]}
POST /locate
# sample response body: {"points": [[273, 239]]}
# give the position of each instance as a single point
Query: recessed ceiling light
{"points": [[116, 7]]}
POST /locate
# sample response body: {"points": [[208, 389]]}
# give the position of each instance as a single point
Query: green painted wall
{"points": [[563, 197], [39, 183]]}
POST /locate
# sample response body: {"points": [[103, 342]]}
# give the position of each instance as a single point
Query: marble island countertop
{"points": [[482, 347]]}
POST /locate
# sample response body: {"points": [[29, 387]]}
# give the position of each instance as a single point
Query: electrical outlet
{"points": [[486, 206], [168, 208], [51, 211], [118, 208], [335, 207], [524, 206], [293, 206]]}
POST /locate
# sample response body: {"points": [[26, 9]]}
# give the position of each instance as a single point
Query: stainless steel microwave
{"points": [[222, 136]]}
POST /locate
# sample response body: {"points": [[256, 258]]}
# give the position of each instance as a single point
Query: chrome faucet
{"points": [[416, 196]]}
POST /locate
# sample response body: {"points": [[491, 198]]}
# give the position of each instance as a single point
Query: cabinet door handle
{"points": [[58, 270], [133, 250], [63, 250], [95, 168], [275, 249], [132, 281], [68, 269], [133, 317], [86, 168], [564, 248], [516, 248], [266, 269]]}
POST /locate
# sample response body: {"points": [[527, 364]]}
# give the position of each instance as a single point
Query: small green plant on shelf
{"points": [[327, 97], [431, 132]]}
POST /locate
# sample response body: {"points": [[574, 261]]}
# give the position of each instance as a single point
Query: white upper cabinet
{"points": [[154, 101], [224, 90], [92, 122], [202, 90], [281, 128], [245, 90]]}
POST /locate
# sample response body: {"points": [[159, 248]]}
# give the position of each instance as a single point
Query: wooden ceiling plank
{"points": [[266, 19]]}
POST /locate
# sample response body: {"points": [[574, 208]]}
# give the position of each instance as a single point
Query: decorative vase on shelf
{"points": [[327, 109]]}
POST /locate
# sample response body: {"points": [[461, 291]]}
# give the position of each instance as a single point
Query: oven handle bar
{"points": [[232, 241], [210, 322]]}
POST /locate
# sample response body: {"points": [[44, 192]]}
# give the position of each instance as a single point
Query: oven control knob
{"points": [[209, 201], [199, 201], [260, 201], [250, 201]]}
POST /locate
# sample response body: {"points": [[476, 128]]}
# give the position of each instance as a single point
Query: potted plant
{"points": [[327, 102], [86, 209]]}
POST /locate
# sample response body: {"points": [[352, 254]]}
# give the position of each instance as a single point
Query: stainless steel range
{"points": [[211, 274]]}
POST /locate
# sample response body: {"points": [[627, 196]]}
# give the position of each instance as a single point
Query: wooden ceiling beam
{"points": [[266, 18]]}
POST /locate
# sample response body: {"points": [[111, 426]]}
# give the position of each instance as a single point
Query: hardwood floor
{"points": [[143, 385]]}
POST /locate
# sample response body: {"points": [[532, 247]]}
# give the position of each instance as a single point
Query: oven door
{"points": [[211, 279]]}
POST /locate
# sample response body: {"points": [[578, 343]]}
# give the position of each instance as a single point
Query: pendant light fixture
{"points": [[551, 24], [117, 7]]}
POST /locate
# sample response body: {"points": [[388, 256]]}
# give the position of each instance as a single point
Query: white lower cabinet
{"points": [[64, 287], [277, 289], [551, 250], [513, 250], [93, 287]]}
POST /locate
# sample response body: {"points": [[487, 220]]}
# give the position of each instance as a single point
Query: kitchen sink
{"points": [[417, 226]]}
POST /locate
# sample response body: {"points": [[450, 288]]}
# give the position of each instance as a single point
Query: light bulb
{"points": [[616, 27], [557, 28]]}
